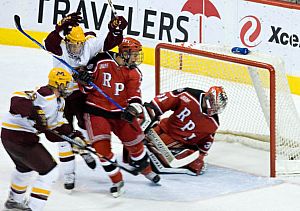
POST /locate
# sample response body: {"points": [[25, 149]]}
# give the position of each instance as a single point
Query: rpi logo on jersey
{"points": [[202, 7], [250, 31]]}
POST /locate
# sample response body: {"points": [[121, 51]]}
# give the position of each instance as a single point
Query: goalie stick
{"points": [[17, 20], [167, 154], [71, 141], [163, 170]]}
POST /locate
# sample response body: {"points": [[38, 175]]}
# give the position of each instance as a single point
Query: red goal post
{"points": [[255, 80]]}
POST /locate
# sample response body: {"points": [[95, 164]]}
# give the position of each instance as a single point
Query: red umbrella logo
{"points": [[202, 7]]}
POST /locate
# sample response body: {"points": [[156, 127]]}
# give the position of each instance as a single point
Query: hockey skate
{"points": [[89, 160], [11, 204], [153, 177], [69, 181], [141, 164], [117, 189]]}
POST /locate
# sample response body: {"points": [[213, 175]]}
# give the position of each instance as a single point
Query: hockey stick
{"points": [[112, 8], [71, 141], [163, 170], [18, 26], [167, 154]]}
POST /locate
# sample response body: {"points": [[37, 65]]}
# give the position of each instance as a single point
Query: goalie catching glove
{"points": [[68, 22], [132, 111]]}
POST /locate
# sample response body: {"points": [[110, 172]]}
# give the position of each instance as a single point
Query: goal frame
{"points": [[232, 59]]}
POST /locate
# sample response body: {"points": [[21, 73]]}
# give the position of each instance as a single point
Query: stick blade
{"points": [[17, 21], [177, 163]]}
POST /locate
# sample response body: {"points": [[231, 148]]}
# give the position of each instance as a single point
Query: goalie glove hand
{"points": [[132, 111], [68, 22], [117, 25]]}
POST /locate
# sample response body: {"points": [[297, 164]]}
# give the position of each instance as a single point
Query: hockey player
{"points": [[32, 113], [191, 126], [118, 76], [76, 48]]}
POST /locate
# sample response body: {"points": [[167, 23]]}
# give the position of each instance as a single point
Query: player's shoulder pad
{"points": [[100, 56], [45, 91], [90, 34]]}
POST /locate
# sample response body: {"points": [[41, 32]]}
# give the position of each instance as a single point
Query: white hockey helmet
{"points": [[216, 100]]}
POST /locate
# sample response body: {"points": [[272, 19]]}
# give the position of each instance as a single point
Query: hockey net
{"points": [[260, 112]]}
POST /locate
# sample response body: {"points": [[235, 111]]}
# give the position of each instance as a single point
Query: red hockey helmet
{"points": [[131, 51], [216, 100]]}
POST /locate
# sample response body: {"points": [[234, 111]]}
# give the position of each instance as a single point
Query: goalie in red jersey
{"points": [[191, 127], [117, 75]]}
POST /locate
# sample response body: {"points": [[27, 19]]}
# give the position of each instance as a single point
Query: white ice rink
{"points": [[236, 179]]}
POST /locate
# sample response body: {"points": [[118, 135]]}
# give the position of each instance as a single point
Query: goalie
{"points": [[188, 130]]}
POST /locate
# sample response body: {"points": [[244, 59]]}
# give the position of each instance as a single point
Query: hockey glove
{"points": [[132, 111], [38, 115], [83, 76], [68, 22], [117, 25]]}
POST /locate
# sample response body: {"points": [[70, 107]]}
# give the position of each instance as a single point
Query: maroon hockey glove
{"points": [[38, 115], [83, 76], [117, 25], [68, 22]]}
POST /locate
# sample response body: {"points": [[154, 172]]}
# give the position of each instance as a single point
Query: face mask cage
{"points": [[133, 59], [65, 90], [75, 50], [216, 102]]}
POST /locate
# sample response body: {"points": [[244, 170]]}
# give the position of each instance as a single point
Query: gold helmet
{"points": [[76, 35], [75, 42], [60, 79]]}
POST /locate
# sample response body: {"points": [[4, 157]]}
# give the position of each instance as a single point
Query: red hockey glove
{"points": [[132, 111], [68, 22], [38, 115], [117, 25]]}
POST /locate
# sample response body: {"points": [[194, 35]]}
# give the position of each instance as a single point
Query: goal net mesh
{"points": [[247, 116]]}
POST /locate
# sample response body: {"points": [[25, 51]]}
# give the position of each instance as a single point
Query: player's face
{"points": [[75, 49], [136, 57], [65, 91]]}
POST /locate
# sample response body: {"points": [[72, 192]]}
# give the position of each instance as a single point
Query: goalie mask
{"points": [[60, 79], [75, 42], [131, 52], [216, 100]]}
